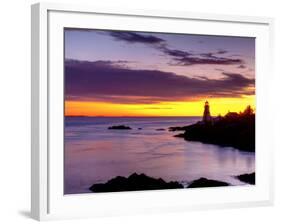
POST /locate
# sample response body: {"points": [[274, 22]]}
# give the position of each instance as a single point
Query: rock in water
{"points": [[204, 182], [120, 127], [134, 182]]}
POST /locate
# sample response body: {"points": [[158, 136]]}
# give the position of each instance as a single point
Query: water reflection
{"points": [[94, 154]]}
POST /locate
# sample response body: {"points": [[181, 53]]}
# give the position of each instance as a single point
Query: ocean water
{"points": [[94, 154]]}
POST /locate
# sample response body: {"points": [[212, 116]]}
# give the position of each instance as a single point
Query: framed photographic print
{"points": [[148, 111]]}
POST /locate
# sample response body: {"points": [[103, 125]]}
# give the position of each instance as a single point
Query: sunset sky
{"points": [[125, 73]]}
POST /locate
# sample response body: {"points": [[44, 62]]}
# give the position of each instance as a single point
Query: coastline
{"points": [[140, 182], [233, 130]]}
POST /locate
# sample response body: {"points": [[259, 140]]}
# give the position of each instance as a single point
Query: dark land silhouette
{"points": [[140, 182], [204, 182], [134, 182], [234, 129], [247, 178], [120, 127]]}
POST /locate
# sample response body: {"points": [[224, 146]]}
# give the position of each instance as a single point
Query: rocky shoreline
{"points": [[139, 182], [249, 178], [135, 182], [233, 130], [204, 182]]}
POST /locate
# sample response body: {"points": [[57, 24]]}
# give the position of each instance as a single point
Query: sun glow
{"points": [[176, 108]]}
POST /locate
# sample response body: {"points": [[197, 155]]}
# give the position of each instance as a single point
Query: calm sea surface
{"points": [[94, 154]]}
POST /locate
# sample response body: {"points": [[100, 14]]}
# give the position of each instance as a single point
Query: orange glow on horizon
{"points": [[176, 108]]}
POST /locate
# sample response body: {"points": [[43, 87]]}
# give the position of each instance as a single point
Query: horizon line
{"points": [[127, 116]]}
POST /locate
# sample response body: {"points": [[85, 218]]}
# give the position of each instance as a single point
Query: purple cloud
{"points": [[179, 57], [132, 37], [205, 59], [106, 81], [220, 51], [187, 58]]}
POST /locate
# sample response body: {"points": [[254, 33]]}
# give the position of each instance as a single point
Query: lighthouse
{"points": [[207, 116]]}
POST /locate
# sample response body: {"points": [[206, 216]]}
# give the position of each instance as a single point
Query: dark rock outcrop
{"points": [[247, 178], [134, 182], [235, 131], [178, 128], [120, 127], [204, 182], [181, 135]]}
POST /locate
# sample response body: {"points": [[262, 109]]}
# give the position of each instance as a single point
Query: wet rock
{"points": [[120, 127], [204, 182], [249, 178], [134, 182]]}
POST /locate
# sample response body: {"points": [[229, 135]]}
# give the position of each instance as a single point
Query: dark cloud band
{"points": [[133, 37], [107, 81]]}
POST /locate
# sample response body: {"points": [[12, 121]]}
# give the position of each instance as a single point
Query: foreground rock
{"points": [[204, 182], [248, 178], [120, 127], [135, 182], [234, 130]]}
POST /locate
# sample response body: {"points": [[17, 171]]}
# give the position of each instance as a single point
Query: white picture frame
{"points": [[48, 201]]}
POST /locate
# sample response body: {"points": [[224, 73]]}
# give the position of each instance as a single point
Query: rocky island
{"points": [[120, 127], [234, 129]]}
